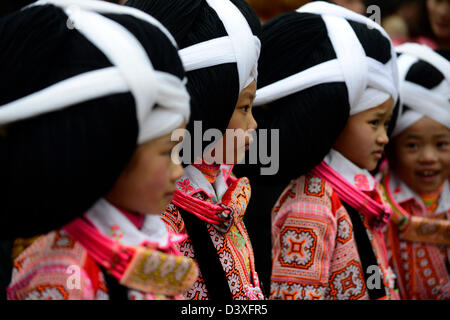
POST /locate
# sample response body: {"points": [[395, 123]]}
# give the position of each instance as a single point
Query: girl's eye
{"points": [[442, 144], [374, 122], [245, 108], [412, 146]]}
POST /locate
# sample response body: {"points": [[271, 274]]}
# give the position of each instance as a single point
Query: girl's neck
{"points": [[431, 199], [136, 218]]}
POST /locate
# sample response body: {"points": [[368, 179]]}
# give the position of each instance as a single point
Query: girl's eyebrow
{"points": [[413, 136], [442, 135], [382, 114], [435, 136]]}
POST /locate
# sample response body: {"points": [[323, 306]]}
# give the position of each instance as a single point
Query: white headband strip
{"points": [[106, 8], [89, 85], [329, 71], [243, 47], [148, 86], [349, 52], [369, 84], [434, 103], [223, 53]]}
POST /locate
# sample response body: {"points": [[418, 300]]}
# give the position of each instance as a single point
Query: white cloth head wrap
{"points": [[434, 103], [369, 82], [132, 71], [240, 46]]}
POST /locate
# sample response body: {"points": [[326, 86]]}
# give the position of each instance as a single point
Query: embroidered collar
{"points": [[359, 178], [403, 193], [145, 260], [194, 181], [111, 222]]}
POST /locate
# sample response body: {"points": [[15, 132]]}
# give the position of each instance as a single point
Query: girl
{"points": [[326, 224], [416, 184], [82, 123], [220, 53]]}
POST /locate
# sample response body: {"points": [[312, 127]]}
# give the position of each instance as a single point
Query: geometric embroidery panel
{"points": [[344, 230], [314, 186], [298, 247], [348, 283]]}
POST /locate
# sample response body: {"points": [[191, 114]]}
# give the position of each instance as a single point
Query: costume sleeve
{"points": [[50, 280], [304, 233]]}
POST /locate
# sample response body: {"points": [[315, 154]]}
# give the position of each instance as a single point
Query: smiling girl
{"points": [[417, 179]]}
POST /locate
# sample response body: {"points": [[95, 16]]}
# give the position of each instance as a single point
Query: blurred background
{"points": [[422, 21]]}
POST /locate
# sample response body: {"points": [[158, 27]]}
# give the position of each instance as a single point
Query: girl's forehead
{"points": [[427, 127], [383, 110]]}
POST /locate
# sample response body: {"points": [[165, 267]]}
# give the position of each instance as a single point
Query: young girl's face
{"points": [[148, 182], [238, 137], [439, 16], [422, 155], [365, 135]]}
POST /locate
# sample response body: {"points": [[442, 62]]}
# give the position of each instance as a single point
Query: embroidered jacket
{"points": [[314, 254], [57, 267], [233, 247], [421, 267]]}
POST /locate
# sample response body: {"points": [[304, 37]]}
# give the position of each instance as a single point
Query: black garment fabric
{"points": [[206, 257], [365, 250], [5, 266], [116, 291]]}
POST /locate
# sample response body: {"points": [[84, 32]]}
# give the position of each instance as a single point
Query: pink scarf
{"points": [[378, 214], [219, 215], [136, 266]]}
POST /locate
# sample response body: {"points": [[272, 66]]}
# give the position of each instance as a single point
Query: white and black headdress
{"points": [[369, 82], [424, 86], [83, 82], [219, 48], [131, 71]]}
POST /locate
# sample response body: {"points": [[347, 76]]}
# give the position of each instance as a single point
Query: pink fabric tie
{"points": [[377, 213]]}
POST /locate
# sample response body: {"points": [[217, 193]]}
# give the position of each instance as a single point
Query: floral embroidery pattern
{"points": [[115, 232], [197, 291], [296, 291], [185, 185], [344, 230], [361, 182], [234, 282], [314, 186], [227, 261], [216, 238]]}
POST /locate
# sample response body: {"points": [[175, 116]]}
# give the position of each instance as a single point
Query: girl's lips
{"points": [[427, 176], [378, 154]]}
